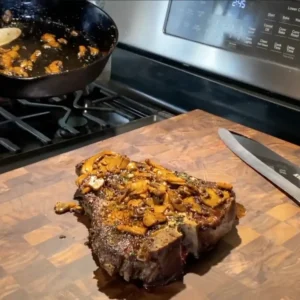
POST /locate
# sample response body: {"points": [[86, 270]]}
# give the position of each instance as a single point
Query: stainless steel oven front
{"points": [[254, 42]]}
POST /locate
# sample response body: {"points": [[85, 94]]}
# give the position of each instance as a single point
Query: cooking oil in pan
{"points": [[30, 41]]}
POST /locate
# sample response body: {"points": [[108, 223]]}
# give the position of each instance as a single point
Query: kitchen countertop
{"points": [[43, 255]]}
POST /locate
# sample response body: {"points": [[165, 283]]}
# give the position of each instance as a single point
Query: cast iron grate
{"points": [[27, 126]]}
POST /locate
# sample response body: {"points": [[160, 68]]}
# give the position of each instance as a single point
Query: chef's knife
{"points": [[277, 169]]}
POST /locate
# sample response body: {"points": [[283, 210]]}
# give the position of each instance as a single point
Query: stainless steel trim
{"points": [[258, 165], [141, 25]]}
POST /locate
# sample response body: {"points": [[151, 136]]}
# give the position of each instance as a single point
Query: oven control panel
{"points": [[269, 30]]}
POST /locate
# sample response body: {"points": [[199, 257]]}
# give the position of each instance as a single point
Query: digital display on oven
{"points": [[265, 29], [239, 3]]}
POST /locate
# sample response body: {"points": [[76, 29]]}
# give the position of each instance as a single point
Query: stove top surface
{"points": [[33, 130]]}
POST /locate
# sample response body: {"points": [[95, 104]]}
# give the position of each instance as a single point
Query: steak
{"points": [[146, 219]]}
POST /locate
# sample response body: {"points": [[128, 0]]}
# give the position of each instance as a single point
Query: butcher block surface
{"points": [[44, 255]]}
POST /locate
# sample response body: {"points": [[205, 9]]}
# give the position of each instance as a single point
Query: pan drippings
{"points": [[59, 50]]}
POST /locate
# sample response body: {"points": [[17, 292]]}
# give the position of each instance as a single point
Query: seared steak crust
{"points": [[146, 219]]}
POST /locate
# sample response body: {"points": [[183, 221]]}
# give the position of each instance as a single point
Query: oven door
{"points": [[254, 42]]}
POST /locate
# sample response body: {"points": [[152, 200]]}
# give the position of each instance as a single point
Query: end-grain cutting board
{"points": [[259, 260]]}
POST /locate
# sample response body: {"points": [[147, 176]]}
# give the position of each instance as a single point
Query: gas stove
{"points": [[31, 130], [216, 56]]}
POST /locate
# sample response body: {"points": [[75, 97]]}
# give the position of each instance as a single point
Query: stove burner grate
{"points": [[9, 145], [20, 123], [52, 122]]}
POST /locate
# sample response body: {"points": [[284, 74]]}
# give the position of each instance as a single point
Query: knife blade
{"points": [[274, 167]]}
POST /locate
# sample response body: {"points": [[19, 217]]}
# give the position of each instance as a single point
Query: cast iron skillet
{"points": [[36, 17]]}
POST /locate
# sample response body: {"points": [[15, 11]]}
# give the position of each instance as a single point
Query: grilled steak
{"points": [[146, 219]]}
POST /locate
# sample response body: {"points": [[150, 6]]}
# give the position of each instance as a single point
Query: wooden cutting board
{"points": [[43, 255]]}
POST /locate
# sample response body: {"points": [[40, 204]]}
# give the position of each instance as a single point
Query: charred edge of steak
{"points": [[158, 256]]}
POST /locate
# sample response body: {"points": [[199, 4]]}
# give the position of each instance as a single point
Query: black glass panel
{"points": [[265, 29]]}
